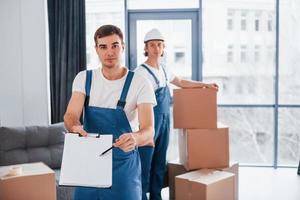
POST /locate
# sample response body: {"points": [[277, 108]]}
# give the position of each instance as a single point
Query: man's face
{"points": [[154, 48], [109, 50]]}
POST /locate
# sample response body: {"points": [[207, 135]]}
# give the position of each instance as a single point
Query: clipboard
{"points": [[82, 164]]}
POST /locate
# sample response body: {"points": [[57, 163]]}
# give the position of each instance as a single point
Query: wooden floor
{"points": [[257, 183]]}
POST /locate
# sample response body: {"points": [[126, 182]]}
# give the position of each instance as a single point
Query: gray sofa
{"points": [[35, 144]]}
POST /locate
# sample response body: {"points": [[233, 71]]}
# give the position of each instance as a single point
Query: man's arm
{"points": [[73, 113], [128, 141], [185, 83]]}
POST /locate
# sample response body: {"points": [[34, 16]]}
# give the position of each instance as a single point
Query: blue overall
{"points": [[126, 177], [154, 159]]}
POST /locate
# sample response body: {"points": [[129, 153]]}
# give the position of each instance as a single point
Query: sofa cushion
{"points": [[32, 144]]}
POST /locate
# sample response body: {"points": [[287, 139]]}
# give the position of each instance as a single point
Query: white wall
{"points": [[24, 93]]}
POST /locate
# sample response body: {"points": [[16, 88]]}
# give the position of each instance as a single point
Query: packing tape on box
{"points": [[11, 171], [15, 171]]}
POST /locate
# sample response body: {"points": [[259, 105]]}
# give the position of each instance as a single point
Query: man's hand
{"points": [[144, 136], [80, 130], [212, 86], [126, 142], [186, 83]]}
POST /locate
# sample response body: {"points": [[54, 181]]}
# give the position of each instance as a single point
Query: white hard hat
{"points": [[153, 34]]}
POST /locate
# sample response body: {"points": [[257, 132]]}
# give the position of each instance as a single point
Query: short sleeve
{"points": [[79, 82], [141, 71], [145, 91]]}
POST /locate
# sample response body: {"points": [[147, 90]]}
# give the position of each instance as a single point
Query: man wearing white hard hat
{"points": [[154, 159]]}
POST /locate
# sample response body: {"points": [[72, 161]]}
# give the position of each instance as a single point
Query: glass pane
{"points": [[251, 133], [239, 50], [289, 136], [178, 52], [159, 4], [289, 70], [99, 13]]}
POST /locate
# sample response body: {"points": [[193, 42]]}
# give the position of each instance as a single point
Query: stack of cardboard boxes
{"points": [[203, 171]]}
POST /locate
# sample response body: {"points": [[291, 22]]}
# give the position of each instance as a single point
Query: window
{"points": [[230, 16], [178, 50], [224, 87], [257, 53], [179, 57], [111, 12], [257, 20], [239, 53], [230, 54], [248, 84], [243, 55], [243, 24], [246, 129], [230, 24], [289, 136], [243, 20], [270, 27], [270, 22], [256, 25], [289, 83], [230, 57], [159, 4]]}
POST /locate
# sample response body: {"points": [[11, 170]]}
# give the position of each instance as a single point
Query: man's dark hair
{"points": [[107, 30]]}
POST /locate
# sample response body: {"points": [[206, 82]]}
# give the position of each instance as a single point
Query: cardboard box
{"points": [[36, 182], [195, 108], [233, 168], [175, 168], [204, 148], [205, 184]]}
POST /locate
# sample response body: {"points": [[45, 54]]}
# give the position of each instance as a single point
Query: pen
{"points": [[107, 150]]}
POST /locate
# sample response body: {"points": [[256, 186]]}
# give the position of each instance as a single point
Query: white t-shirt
{"points": [[159, 73], [106, 93]]}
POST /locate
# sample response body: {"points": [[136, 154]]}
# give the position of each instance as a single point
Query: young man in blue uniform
{"points": [[154, 159], [117, 102]]}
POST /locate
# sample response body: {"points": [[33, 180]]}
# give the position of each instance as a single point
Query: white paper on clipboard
{"points": [[82, 164]]}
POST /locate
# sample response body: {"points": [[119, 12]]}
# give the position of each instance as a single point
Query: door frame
{"points": [[166, 14]]}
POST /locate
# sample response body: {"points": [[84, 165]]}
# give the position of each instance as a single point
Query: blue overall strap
{"points": [[88, 83], [122, 100], [165, 74], [152, 74]]}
